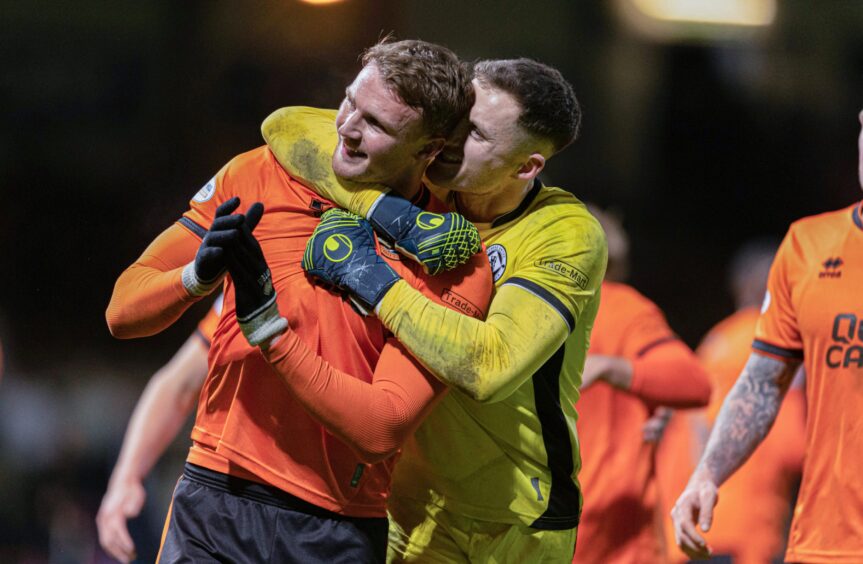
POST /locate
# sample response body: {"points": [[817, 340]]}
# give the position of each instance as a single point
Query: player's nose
{"points": [[349, 129]]}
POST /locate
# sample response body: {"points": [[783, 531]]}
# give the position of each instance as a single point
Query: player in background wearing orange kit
{"points": [[751, 520], [811, 314], [298, 435], [635, 364], [160, 413]]}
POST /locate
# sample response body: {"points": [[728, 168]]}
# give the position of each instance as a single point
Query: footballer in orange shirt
{"points": [[635, 364], [751, 519], [292, 444], [811, 314]]}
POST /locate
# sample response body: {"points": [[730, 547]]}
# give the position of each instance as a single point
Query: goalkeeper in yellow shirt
{"points": [[491, 474]]}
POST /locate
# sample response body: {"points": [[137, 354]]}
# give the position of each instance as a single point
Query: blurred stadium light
{"points": [[674, 20]]}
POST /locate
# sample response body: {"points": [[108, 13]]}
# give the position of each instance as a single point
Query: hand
{"points": [[205, 274], [439, 242], [654, 428], [615, 370], [122, 501], [341, 251], [694, 506], [257, 312]]}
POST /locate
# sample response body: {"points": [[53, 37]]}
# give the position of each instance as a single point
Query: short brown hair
{"points": [[549, 108], [427, 77]]}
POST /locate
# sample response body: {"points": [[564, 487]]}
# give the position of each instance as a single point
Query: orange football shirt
{"points": [[248, 423], [620, 522], [207, 325], [813, 310]]}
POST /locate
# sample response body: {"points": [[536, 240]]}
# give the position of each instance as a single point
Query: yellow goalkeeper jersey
{"points": [[514, 459], [517, 460]]}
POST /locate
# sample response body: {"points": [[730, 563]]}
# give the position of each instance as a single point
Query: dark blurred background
{"points": [[112, 115]]}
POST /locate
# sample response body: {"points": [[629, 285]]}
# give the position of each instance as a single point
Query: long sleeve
{"points": [[303, 140], [149, 295], [488, 359], [373, 418], [669, 374]]}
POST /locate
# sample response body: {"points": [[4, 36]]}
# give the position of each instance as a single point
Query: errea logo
{"points": [[831, 268]]}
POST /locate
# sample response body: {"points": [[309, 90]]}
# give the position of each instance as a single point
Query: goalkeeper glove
{"points": [[439, 242], [257, 311], [341, 252], [206, 272]]}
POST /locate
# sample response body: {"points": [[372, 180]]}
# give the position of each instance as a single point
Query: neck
{"points": [[486, 206], [408, 184]]}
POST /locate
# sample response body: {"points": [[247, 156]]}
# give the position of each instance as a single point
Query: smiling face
{"points": [[381, 139], [488, 150]]}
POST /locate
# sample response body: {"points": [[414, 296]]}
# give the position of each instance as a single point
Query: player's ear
{"points": [[531, 168], [432, 148]]}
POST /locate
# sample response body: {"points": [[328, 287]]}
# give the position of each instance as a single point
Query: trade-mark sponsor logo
{"points": [[559, 267], [461, 303]]}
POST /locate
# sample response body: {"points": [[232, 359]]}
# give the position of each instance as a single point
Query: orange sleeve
{"points": [[639, 325], [374, 419], [776, 333], [466, 289], [149, 295], [669, 374]]}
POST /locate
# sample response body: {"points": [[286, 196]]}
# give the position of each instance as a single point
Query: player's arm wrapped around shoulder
{"points": [[529, 318], [303, 140]]}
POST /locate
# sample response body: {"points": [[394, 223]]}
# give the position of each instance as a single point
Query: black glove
{"points": [[257, 311], [207, 271]]}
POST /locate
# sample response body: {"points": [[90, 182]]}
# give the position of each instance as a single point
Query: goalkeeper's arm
{"points": [[303, 140], [487, 360]]}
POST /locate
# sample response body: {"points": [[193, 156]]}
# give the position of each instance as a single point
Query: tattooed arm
{"points": [[746, 416]]}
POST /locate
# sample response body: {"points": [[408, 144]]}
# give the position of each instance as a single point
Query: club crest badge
{"points": [[497, 258]]}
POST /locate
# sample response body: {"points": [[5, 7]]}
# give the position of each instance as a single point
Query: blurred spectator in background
{"points": [[753, 516], [635, 365], [158, 417]]}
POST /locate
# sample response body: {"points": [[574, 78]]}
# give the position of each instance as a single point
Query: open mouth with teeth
{"points": [[352, 153]]}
